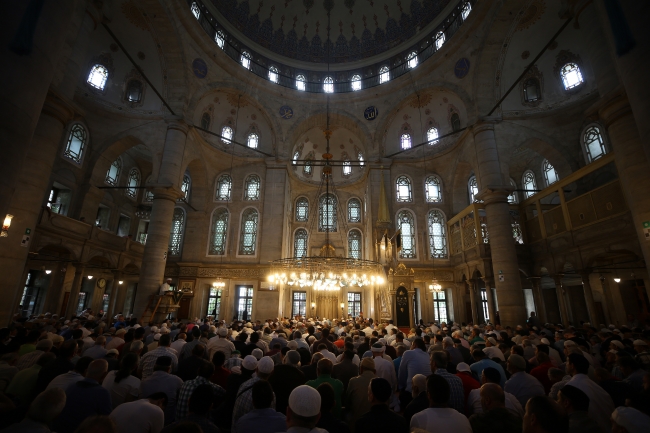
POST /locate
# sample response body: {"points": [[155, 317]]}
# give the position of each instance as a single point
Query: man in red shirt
{"points": [[340, 343], [543, 365], [469, 383]]}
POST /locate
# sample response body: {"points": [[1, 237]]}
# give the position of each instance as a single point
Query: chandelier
{"points": [[326, 272], [435, 286]]}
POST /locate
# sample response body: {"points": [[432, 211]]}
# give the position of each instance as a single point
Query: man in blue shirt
{"points": [[482, 362], [263, 418]]}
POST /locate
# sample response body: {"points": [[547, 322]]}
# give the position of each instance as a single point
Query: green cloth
{"points": [[26, 348], [338, 390], [476, 340], [23, 384]]}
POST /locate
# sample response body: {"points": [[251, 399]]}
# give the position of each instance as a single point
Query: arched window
{"points": [[406, 224], [571, 76], [437, 235], [253, 140], [302, 209], [74, 148], [550, 174], [328, 85], [220, 39], [384, 75], [455, 122], [467, 8], [245, 59], [307, 169], [354, 210], [113, 173], [224, 186], [273, 74], [405, 141], [403, 189], [98, 76], [360, 158], [512, 198], [472, 189], [412, 60], [356, 82], [296, 155], [195, 10], [529, 184], [134, 91], [532, 92], [185, 187], [432, 136], [218, 232], [205, 121], [148, 194], [347, 168], [327, 220], [594, 144], [248, 235], [300, 239], [433, 189], [133, 183], [300, 83], [252, 189], [226, 134], [176, 235], [354, 244], [440, 40]]}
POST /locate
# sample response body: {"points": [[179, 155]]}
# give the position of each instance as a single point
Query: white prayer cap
{"points": [[617, 344], [639, 343], [223, 332], [569, 343], [265, 365], [154, 329], [305, 401], [249, 363], [257, 353], [545, 341], [492, 341], [292, 345], [156, 337], [633, 420], [462, 366]]}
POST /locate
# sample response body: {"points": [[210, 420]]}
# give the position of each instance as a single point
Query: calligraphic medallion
{"points": [[200, 68], [371, 113], [286, 112]]}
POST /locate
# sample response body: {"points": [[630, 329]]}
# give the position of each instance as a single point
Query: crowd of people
{"points": [[98, 374]]}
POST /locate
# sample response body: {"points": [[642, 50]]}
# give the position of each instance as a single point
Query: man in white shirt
{"points": [[117, 340], [141, 416], [165, 287], [390, 327], [384, 368], [179, 343], [368, 329], [439, 414], [220, 342], [322, 348], [492, 375], [521, 384], [492, 349]]}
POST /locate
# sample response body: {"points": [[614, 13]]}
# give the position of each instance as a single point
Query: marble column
{"points": [[589, 298], [73, 300], [561, 299], [490, 299], [494, 191], [472, 290], [165, 191]]}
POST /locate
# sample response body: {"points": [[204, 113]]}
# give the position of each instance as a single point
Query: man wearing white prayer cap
{"points": [[304, 410], [629, 420]]}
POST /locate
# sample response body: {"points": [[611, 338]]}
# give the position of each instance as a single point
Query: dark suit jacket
{"points": [[416, 405], [381, 418], [344, 371], [310, 371], [284, 379]]}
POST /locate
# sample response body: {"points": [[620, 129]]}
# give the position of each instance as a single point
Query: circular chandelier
{"points": [[435, 286]]}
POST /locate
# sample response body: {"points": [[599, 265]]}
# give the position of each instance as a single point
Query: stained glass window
{"points": [[134, 91], [403, 189], [224, 186], [307, 169], [220, 39], [437, 235], [594, 143], [299, 306], [405, 141], [472, 189], [354, 210], [360, 158], [294, 160], [354, 244], [432, 136], [327, 213], [97, 77], [406, 224], [248, 235], [74, 149], [467, 8], [300, 243], [273, 74], [253, 140], [529, 183], [133, 183], [347, 168], [328, 85], [252, 189], [300, 83], [302, 209], [354, 303], [440, 306], [176, 235], [195, 10], [550, 174], [384, 75], [571, 76], [226, 134], [113, 173], [356, 82], [205, 121], [244, 303], [484, 303], [214, 302], [245, 59], [185, 187], [412, 60], [219, 232], [532, 90], [440, 40], [433, 189], [512, 198]]}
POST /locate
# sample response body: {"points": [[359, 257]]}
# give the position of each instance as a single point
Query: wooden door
{"points": [[184, 309]]}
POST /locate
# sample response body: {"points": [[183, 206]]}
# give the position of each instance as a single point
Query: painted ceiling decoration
{"points": [[360, 29]]}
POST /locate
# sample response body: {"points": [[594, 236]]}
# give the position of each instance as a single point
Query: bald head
{"points": [[492, 397], [419, 384], [97, 370]]}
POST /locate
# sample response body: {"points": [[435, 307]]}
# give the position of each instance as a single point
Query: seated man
{"points": [[380, 417], [439, 413], [543, 415], [495, 417], [263, 418]]}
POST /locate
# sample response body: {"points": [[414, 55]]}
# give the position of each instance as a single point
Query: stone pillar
{"points": [[561, 299], [472, 290], [494, 192], [166, 191], [631, 162], [589, 298], [98, 296], [490, 299], [73, 300], [540, 306]]}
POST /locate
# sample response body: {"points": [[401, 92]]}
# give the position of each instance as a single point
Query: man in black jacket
{"points": [[380, 417]]}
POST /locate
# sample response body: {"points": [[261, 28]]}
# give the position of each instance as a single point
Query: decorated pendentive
{"points": [[461, 69], [200, 68], [286, 112], [371, 113]]}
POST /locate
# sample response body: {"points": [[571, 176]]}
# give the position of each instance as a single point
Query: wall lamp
{"points": [[5, 226]]}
